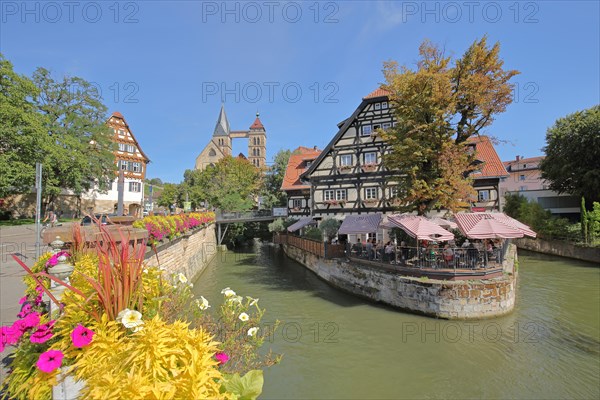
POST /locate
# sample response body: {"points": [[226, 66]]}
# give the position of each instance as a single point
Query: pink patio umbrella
{"points": [[420, 227], [484, 226], [505, 219], [444, 223]]}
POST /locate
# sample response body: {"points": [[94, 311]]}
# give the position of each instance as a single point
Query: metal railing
{"points": [[242, 215], [455, 258]]}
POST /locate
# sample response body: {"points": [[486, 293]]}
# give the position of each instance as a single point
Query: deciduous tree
{"points": [[438, 107], [572, 162]]}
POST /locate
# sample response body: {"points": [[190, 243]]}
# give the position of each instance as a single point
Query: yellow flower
{"points": [[244, 317], [252, 331]]}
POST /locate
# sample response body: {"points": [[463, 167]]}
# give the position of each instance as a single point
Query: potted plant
{"points": [[369, 167], [345, 168]]}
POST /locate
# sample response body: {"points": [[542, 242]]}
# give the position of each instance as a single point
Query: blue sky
{"points": [[167, 65]]}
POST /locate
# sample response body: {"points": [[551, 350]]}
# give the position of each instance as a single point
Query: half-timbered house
{"points": [[298, 191]]}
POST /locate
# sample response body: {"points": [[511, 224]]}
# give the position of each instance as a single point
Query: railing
{"points": [[469, 258], [315, 247], [235, 215]]}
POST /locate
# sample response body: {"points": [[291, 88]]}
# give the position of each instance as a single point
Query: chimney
{"points": [[518, 158], [314, 147]]}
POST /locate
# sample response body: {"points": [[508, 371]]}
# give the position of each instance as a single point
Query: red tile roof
{"points": [[524, 160], [117, 114], [484, 151], [257, 124], [380, 92], [296, 166]]}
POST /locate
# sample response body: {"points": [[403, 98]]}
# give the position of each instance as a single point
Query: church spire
{"points": [[222, 127], [257, 125]]}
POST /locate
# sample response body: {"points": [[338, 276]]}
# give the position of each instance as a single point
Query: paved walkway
{"points": [[19, 240]]}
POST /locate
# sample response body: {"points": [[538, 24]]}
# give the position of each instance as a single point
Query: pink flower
{"points": [[81, 336], [31, 320], [43, 333], [50, 360], [23, 300], [39, 289], [25, 310], [9, 335], [222, 358]]}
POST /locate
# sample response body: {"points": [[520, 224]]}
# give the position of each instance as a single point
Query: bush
{"points": [[329, 228]]}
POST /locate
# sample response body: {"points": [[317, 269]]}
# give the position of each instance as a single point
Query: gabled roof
{"points": [[118, 115], [524, 160], [296, 166], [222, 127], [485, 152], [379, 92], [257, 125]]}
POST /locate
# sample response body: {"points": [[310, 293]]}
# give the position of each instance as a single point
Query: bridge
{"points": [[231, 217]]}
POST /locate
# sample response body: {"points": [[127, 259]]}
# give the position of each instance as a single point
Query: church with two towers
{"points": [[220, 143]]}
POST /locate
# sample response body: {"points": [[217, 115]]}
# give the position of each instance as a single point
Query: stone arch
{"points": [[212, 153]]}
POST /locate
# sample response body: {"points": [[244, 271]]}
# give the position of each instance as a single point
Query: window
{"points": [[340, 194], [378, 106], [483, 195], [297, 203], [135, 187], [130, 148], [524, 165], [393, 192], [375, 127], [308, 163], [121, 132], [521, 177], [366, 130], [212, 153], [370, 193], [384, 105], [122, 146], [386, 125], [346, 160], [522, 188], [328, 194], [370, 157], [136, 167], [124, 165]]}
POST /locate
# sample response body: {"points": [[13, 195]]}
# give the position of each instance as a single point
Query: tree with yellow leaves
{"points": [[438, 107]]}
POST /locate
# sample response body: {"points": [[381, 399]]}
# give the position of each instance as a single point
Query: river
{"points": [[337, 346]]}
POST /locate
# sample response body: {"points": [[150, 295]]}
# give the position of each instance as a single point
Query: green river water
{"points": [[337, 346]]}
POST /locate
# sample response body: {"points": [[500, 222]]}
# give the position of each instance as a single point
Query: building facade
{"points": [[348, 176], [130, 159], [298, 192], [525, 178], [220, 144]]}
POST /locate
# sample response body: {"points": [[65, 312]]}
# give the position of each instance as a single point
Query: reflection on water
{"points": [[337, 346]]}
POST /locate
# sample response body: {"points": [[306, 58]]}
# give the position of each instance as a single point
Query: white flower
{"points": [[145, 270], [131, 319], [244, 317], [161, 268], [191, 285], [181, 277], [202, 303], [252, 331], [228, 292], [252, 301], [235, 299]]}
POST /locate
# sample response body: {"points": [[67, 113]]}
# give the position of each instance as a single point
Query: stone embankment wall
{"points": [[559, 248], [188, 254], [442, 299]]}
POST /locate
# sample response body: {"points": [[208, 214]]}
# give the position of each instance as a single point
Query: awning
{"points": [[420, 227], [357, 224], [491, 226], [301, 223]]}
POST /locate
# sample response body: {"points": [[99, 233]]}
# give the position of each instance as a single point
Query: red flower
{"points": [[81, 336], [50, 360]]}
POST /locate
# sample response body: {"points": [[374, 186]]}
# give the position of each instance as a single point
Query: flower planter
{"points": [[345, 168], [370, 203], [369, 167]]}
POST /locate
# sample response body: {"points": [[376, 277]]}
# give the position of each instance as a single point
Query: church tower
{"points": [[257, 143], [221, 133]]}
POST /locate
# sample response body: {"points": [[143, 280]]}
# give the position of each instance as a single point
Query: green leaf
{"points": [[247, 388]]}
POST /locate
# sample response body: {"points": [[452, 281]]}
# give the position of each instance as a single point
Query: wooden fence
{"points": [[315, 247]]}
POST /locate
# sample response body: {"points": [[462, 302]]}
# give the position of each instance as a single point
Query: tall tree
{"points": [[572, 162], [272, 193], [23, 137], [438, 107], [171, 194], [80, 154], [232, 184]]}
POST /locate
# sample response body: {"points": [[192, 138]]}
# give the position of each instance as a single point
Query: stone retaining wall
{"points": [[442, 299], [188, 254], [559, 248]]}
